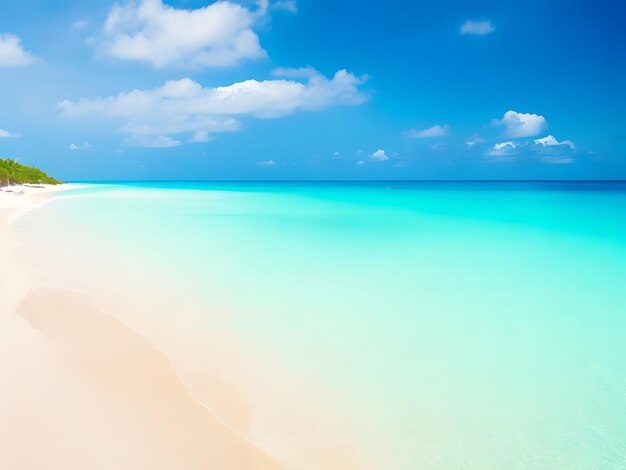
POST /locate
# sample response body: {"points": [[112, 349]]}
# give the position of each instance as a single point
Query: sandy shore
{"points": [[82, 390]]}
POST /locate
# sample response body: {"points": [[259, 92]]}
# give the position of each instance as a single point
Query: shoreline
{"points": [[85, 389]]}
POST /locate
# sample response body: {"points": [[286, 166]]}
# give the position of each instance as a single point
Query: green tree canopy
{"points": [[12, 172]]}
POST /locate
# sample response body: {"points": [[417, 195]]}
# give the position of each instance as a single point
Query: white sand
{"points": [[82, 390]]}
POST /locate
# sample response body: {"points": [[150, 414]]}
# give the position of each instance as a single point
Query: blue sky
{"points": [[315, 89]]}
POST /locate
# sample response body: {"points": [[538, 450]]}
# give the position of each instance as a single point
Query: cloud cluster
{"points": [[12, 53], [184, 105], [518, 129], [218, 35], [477, 28], [547, 149]]}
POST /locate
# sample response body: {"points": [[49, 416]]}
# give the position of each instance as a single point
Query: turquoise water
{"points": [[453, 325]]}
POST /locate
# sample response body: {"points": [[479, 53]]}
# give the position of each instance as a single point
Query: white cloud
{"points": [[435, 131], [218, 35], [151, 141], [201, 136], [288, 5], [504, 145], [379, 155], [267, 163], [477, 28], [299, 72], [8, 135], [519, 125], [553, 151], [502, 149], [79, 147], [361, 162], [186, 106], [12, 53], [550, 141]]}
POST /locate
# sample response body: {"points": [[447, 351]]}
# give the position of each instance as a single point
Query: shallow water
{"points": [[451, 325]]}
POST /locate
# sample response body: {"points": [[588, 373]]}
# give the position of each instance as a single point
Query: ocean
{"points": [[397, 324]]}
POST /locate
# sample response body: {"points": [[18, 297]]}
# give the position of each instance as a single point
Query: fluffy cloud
{"points": [[435, 131], [550, 141], [267, 163], [218, 35], [186, 106], [79, 147], [519, 125], [553, 151], [8, 135], [477, 28], [503, 149], [12, 53], [379, 155]]}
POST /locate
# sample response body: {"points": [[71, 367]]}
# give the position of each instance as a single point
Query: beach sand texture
{"points": [[82, 390]]}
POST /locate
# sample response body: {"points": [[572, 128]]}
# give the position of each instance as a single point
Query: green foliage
{"points": [[4, 177], [12, 172]]}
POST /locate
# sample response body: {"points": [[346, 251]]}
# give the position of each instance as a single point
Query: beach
{"points": [[313, 325], [83, 390]]}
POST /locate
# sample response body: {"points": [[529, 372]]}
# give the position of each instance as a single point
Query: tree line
{"points": [[12, 172]]}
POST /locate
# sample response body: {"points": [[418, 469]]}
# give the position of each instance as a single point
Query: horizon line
{"points": [[346, 181]]}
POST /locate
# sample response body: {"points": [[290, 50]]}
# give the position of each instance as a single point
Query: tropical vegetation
{"points": [[12, 172]]}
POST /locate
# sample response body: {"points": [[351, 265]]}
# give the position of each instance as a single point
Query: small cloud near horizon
{"points": [[550, 141], [434, 131], [502, 149], [267, 163], [379, 155]]}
